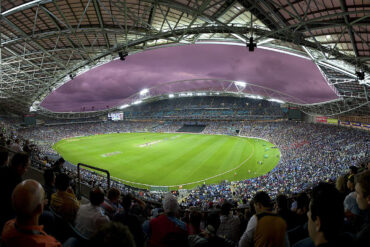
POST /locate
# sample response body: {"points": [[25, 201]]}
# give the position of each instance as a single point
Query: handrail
{"points": [[91, 167]]}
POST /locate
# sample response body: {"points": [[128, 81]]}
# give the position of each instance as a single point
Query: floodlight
{"points": [[124, 106], [240, 83], [137, 102], [33, 109], [144, 91], [265, 41], [254, 96], [171, 95], [276, 100]]}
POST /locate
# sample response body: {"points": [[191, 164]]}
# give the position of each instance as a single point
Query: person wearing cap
{"points": [[264, 228], [167, 229]]}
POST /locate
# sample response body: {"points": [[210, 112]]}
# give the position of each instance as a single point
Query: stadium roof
{"points": [[44, 42]]}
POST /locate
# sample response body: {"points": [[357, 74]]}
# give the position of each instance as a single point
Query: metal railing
{"points": [[91, 167]]}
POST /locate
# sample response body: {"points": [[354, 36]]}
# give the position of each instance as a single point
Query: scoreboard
{"points": [[115, 116]]}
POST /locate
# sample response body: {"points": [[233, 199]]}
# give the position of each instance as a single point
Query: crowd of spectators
{"points": [[206, 107], [298, 203], [310, 153]]}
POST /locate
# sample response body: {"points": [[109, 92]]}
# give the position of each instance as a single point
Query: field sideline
{"points": [[145, 160]]}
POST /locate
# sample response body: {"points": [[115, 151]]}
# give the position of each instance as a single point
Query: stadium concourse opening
{"points": [[196, 128]]}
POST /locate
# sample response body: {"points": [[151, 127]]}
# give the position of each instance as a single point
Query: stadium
{"points": [[184, 123]]}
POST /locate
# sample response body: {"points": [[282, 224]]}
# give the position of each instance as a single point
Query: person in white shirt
{"points": [[90, 217], [230, 224], [16, 146]]}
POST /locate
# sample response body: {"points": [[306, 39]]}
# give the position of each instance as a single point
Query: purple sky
{"points": [[111, 83]]}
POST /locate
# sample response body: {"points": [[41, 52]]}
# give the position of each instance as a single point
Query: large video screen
{"points": [[115, 116]]}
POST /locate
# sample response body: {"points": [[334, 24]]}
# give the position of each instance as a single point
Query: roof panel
{"points": [[324, 19]]}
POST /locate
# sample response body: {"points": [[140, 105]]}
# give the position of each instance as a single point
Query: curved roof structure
{"points": [[45, 42]]}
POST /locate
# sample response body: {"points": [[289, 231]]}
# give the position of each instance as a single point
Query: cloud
{"points": [[113, 82]]}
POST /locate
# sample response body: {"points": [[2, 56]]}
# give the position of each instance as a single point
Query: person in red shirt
{"points": [[167, 230], [24, 230]]}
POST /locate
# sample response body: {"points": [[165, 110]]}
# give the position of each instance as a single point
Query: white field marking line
{"points": [[156, 142], [203, 180], [111, 154], [149, 143]]}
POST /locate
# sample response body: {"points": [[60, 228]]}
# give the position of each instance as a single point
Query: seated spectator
{"points": [[111, 204], [58, 166], [26, 147], [16, 146], [24, 230], [9, 178], [64, 201], [300, 217], [131, 220], [353, 170], [283, 210], [195, 217], [90, 217], [49, 184], [341, 186], [350, 205], [2, 140], [326, 217], [230, 224], [264, 228], [302, 208], [4, 158], [112, 234], [8, 143], [208, 237], [363, 201], [167, 229]]}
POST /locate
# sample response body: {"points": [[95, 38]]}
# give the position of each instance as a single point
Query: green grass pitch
{"points": [[146, 160]]}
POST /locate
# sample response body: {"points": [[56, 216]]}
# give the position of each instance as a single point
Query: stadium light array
{"points": [[144, 91], [240, 84], [276, 100], [201, 94], [253, 96], [171, 95], [124, 106]]}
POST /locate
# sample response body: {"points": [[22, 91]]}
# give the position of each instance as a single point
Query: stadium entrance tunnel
{"points": [[167, 161]]}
